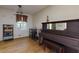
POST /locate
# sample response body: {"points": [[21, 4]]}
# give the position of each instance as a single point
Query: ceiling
{"points": [[30, 9]]}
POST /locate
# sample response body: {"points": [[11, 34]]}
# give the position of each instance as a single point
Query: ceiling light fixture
{"points": [[19, 14], [19, 10]]}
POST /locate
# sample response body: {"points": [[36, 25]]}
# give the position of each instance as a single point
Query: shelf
{"points": [[8, 37], [7, 31]]}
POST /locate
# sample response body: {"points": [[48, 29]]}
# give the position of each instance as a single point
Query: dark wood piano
{"points": [[63, 36]]}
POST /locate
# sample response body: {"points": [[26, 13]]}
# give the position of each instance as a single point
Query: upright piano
{"points": [[63, 36]]}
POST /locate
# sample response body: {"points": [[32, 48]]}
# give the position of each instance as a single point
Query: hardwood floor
{"points": [[22, 45]]}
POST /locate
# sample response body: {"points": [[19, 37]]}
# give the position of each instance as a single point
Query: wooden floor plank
{"points": [[21, 45]]}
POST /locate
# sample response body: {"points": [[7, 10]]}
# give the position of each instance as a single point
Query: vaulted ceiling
{"points": [[30, 9]]}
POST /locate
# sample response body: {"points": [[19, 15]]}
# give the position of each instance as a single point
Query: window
{"points": [[51, 26], [57, 26], [61, 26], [21, 25]]}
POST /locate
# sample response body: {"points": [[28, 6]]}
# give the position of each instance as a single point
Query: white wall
{"points": [[9, 17], [56, 13]]}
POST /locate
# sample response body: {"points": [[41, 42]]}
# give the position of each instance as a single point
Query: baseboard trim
{"points": [[1, 40], [22, 37], [16, 38]]}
